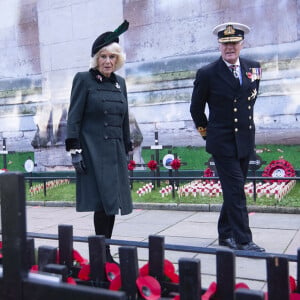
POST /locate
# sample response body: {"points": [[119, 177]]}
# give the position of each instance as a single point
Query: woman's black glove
{"points": [[78, 164]]}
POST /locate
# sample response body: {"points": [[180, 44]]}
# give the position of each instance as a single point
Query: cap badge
{"points": [[229, 30]]}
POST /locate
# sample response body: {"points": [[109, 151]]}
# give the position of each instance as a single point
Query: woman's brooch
{"points": [[117, 85], [99, 77]]}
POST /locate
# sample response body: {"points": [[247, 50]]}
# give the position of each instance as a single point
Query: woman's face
{"points": [[107, 62]]}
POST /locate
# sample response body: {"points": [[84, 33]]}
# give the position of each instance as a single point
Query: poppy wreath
{"points": [[279, 168], [175, 164], [152, 165], [131, 165]]}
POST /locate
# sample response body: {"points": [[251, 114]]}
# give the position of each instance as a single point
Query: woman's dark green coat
{"points": [[98, 123]]}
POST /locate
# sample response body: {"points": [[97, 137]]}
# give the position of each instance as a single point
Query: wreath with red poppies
{"points": [[279, 168]]}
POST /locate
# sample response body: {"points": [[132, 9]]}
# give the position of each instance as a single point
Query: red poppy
{"points": [[113, 275], [212, 289], [152, 165], [176, 163], [131, 166], [79, 259], [34, 269], [112, 270], [169, 271], [116, 283], [148, 287], [208, 172], [84, 273], [293, 285], [249, 75], [71, 280]]}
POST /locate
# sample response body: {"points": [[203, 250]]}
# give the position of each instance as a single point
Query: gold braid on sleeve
{"points": [[202, 131]]}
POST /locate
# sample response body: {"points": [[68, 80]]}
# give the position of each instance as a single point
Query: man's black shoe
{"points": [[230, 242], [250, 247]]}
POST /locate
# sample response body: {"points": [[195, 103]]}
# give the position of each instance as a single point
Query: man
{"points": [[229, 87]]}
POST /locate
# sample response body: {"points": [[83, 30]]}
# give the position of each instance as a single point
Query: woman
{"points": [[98, 135]]}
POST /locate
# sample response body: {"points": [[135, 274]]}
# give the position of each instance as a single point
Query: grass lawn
{"points": [[67, 193], [194, 158]]}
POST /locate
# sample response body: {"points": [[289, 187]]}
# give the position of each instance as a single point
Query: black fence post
{"points": [[278, 278], [156, 256], [244, 294], [157, 158], [13, 219], [154, 174], [30, 253], [58, 269], [97, 259], [129, 271], [225, 274], [65, 245], [190, 279], [46, 255], [45, 187]]}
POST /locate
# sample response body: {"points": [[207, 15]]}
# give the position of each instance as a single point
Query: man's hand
{"points": [[202, 131], [78, 164]]}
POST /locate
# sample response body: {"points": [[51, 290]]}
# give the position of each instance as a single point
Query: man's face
{"points": [[231, 51]]}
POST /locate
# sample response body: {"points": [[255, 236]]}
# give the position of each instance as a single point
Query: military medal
{"points": [[254, 74]]}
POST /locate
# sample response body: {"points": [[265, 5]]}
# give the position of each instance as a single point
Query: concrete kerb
{"points": [[179, 207]]}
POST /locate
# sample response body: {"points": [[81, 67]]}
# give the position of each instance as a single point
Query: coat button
{"points": [[236, 129], [249, 107], [105, 124], [235, 109], [106, 137], [249, 98], [105, 112], [235, 120], [234, 100], [250, 117], [250, 127]]}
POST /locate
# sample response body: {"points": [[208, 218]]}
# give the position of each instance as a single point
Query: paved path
{"points": [[278, 233]]}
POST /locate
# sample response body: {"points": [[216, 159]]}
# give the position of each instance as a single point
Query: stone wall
{"points": [[169, 40], [44, 43]]}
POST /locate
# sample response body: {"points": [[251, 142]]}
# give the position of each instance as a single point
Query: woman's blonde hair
{"points": [[114, 48]]}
